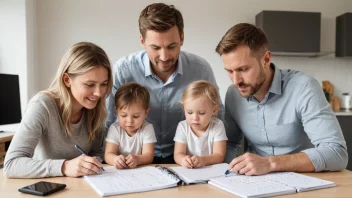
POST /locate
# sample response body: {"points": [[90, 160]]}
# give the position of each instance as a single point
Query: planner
{"points": [[272, 184], [199, 175], [115, 182]]}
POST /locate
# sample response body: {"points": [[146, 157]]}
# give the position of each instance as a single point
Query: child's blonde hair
{"points": [[130, 94], [198, 89]]}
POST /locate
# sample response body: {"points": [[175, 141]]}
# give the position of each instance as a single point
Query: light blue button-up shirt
{"points": [[293, 117], [165, 109]]}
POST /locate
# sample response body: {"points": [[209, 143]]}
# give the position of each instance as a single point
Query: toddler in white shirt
{"points": [[200, 140], [130, 142]]}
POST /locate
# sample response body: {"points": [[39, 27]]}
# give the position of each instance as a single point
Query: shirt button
{"points": [[164, 109], [263, 130]]}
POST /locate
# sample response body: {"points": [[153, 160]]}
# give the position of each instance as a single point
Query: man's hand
{"points": [[250, 164], [131, 161]]}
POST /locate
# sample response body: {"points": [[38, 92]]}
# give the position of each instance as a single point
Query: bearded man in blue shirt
{"points": [[283, 114], [164, 70]]}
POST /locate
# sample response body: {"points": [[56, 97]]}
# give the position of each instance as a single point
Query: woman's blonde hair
{"points": [[79, 59], [198, 89]]}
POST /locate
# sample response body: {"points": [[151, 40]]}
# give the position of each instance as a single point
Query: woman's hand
{"points": [[80, 166]]}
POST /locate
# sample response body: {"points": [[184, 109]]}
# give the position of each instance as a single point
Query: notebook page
{"points": [[250, 186], [299, 181], [114, 182], [199, 175]]}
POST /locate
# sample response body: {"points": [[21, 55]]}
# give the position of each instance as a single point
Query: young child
{"points": [[130, 142], [200, 140]]}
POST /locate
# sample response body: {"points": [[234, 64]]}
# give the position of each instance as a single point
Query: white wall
{"points": [[113, 24], [13, 43]]}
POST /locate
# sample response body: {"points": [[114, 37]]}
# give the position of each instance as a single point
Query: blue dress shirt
{"points": [[293, 117], [165, 109]]}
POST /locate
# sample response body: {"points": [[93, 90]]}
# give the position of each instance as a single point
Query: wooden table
{"points": [[77, 187], [5, 136]]}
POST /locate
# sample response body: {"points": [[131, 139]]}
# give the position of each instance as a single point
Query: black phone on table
{"points": [[42, 188]]}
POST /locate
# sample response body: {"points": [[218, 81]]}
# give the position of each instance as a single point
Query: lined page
{"points": [[113, 182], [251, 186], [197, 175], [269, 185], [299, 181]]}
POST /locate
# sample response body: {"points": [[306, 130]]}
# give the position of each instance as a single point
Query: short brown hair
{"points": [[130, 94], [160, 17], [198, 89], [243, 34]]}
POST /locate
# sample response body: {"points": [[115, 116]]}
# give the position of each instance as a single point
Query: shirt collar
{"points": [[146, 63], [148, 69], [276, 85]]}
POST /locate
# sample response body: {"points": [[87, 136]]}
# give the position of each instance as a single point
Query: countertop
{"points": [[343, 113]]}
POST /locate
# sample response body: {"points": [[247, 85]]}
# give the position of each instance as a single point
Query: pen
{"points": [[228, 172], [81, 150]]}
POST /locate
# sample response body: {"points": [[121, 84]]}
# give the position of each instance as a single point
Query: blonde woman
{"points": [[71, 111]]}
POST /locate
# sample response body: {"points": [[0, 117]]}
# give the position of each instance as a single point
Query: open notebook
{"points": [[272, 184], [116, 182], [200, 175]]}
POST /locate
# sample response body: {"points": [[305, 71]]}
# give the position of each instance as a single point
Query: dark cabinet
{"points": [[343, 35], [346, 126], [291, 32]]}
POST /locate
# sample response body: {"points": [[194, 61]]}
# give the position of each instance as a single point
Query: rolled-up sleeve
{"points": [[321, 125]]}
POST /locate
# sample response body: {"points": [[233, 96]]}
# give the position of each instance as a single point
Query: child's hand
{"points": [[131, 161], [197, 161], [187, 162], [120, 162]]}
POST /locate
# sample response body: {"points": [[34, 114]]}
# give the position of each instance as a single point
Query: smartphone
{"points": [[42, 188]]}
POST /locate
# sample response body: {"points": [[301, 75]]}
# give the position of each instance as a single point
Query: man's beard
{"points": [[254, 89]]}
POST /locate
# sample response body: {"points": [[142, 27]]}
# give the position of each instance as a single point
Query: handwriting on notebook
{"points": [[272, 184], [250, 184], [296, 180], [112, 181]]}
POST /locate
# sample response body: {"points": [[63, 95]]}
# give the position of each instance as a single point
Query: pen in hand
{"points": [[81, 151], [227, 172]]}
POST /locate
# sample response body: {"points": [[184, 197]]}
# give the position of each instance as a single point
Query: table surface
{"points": [[77, 187], [6, 136]]}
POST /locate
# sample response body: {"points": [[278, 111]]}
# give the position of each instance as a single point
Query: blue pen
{"points": [[81, 150], [228, 172]]}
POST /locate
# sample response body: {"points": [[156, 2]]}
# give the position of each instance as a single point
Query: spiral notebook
{"points": [[200, 175], [272, 184], [115, 182]]}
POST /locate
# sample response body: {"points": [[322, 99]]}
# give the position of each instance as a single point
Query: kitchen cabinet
{"points": [[346, 126], [343, 35]]}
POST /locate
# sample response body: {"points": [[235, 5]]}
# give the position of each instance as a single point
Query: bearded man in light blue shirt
{"points": [[283, 114], [164, 70]]}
